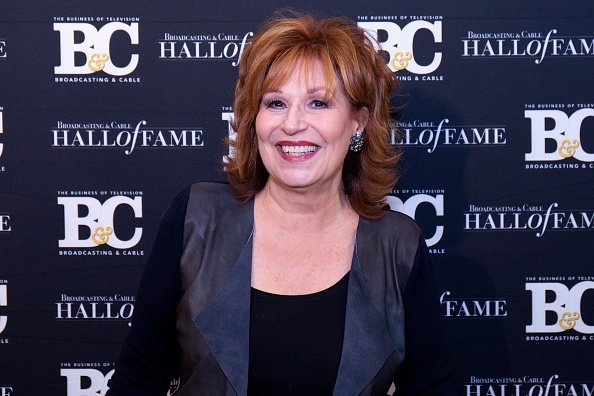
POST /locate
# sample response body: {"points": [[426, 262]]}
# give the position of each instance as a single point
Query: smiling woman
{"points": [[327, 59], [293, 280], [303, 131]]}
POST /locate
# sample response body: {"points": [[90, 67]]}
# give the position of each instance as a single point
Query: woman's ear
{"points": [[362, 117]]}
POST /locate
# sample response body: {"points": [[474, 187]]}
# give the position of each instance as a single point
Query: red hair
{"points": [[349, 62]]}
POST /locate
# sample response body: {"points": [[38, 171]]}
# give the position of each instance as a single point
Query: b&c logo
{"points": [[565, 309], [565, 133], [95, 48], [2, 49], [410, 206], [3, 303], [99, 221], [94, 382], [399, 43]]}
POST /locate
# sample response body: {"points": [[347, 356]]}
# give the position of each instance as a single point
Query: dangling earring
{"points": [[356, 143]]}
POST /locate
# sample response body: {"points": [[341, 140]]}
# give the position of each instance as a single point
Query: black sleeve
{"points": [[425, 370], [149, 357]]}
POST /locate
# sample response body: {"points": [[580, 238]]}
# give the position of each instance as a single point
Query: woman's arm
{"points": [[426, 367], [149, 357]]}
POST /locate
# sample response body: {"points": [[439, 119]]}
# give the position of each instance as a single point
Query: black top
{"points": [[296, 341], [150, 355]]}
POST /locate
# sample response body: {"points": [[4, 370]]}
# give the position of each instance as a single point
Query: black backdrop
{"points": [[108, 109]]}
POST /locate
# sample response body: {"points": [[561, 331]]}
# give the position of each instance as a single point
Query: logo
{"points": [[559, 133], [431, 135], [2, 49], [90, 222], [5, 222], [89, 379], [95, 48], [561, 304], [536, 218], [85, 379], [113, 308], [429, 216], [6, 390], [3, 303], [227, 115], [472, 307], [526, 385], [525, 44], [1, 133], [124, 136], [402, 47], [218, 46]]}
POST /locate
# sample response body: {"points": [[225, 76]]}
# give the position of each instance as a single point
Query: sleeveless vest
{"points": [[214, 311]]}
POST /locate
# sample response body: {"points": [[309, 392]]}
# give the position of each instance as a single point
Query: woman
{"points": [[293, 280]]}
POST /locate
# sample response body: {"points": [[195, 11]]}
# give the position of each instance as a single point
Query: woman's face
{"points": [[303, 134]]}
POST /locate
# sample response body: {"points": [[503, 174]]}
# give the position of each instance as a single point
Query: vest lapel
{"points": [[224, 323], [367, 343]]}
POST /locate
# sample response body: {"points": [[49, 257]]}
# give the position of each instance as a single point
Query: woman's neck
{"points": [[304, 208]]}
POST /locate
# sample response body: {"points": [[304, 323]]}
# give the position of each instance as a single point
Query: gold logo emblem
{"points": [[97, 61], [568, 320], [568, 147], [400, 60], [101, 235]]}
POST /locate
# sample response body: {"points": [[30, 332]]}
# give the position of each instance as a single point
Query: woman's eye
{"points": [[319, 104], [274, 104]]}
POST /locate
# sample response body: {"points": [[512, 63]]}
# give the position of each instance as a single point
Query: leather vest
{"points": [[214, 311]]}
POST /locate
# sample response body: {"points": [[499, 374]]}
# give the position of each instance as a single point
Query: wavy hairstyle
{"points": [[349, 62]]}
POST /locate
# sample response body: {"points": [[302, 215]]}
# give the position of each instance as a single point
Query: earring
{"points": [[356, 143]]}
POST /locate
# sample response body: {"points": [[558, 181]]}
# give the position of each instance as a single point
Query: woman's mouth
{"points": [[298, 151]]}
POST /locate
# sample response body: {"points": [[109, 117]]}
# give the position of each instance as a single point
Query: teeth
{"points": [[297, 151]]}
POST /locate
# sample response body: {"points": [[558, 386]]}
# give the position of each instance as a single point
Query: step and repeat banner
{"points": [[108, 109]]}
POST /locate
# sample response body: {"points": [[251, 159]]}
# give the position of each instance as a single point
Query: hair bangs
{"points": [[304, 58]]}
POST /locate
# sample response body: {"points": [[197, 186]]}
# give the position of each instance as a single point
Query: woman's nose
{"points": [[294, 120]]}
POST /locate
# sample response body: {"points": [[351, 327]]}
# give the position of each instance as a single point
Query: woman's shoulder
{"points": [[210, 191], [208, 201], [211, 187], [207, 195], [395, 225], [200, 202], [401, 219], [217, 194]]}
